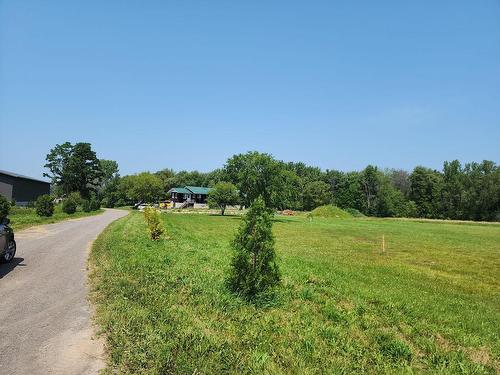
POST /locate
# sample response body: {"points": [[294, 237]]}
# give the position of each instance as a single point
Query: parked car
{"points": [[7, 242]]}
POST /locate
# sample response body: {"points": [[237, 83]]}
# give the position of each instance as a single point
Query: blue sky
{"points": [[185, 85]]}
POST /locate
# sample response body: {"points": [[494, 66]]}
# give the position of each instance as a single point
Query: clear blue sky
{"points": [[187, 84]]}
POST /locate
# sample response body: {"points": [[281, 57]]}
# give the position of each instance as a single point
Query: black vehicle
{"points": [[7, 242]]}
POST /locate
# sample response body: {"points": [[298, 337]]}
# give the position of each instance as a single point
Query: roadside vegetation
{"points": [[21, 217], [428, 303]]}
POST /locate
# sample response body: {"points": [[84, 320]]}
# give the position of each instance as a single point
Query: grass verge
{"points": [[22, 218], [429, 303]]}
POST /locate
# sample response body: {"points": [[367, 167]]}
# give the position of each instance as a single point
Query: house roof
{"points": [[12, 174], [179, 190], [190, 190], [198, 189]]}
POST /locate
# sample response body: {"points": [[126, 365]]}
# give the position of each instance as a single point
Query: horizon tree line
{"points": [[464, 192]]}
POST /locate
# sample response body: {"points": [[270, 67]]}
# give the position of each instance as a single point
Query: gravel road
{"points": [[45, 325]]}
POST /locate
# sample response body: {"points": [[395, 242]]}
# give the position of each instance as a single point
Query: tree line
{"points": [[463, 192]]}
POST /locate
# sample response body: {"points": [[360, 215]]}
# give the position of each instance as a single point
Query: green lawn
{"points": [[22, 218], [430, 303]]}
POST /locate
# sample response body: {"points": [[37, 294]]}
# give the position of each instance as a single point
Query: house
{"points": [[189, 196], [22, 189]]}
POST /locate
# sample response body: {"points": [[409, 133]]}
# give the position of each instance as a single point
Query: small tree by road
{"points": [[222, 195]]}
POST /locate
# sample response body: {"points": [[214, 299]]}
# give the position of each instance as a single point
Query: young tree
{"points": [[222, 195], [254, 267]]}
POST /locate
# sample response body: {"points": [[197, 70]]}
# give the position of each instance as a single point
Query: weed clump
{"points": [[153, 220], [254, 269]]}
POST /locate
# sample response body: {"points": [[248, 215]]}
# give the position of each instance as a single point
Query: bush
{"points": [[86, 205], [253, 268], [4, 207], [75, 197], [69, 205], [44, 205], [153, 220], [95, 205]]}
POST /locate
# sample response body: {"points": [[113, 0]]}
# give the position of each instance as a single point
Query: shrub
{"points": [[153, 220], [75, 197], [86, 205], [94, 204], [253, 268], [69, 206], [4, 207], [44, 205]]}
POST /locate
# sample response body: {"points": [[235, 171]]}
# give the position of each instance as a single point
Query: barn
{"points": [[22, 189]]}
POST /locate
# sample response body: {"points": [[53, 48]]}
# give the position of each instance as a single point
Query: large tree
{"points": [[258, 174], [425, 191], [142, 187], [74, 168]]}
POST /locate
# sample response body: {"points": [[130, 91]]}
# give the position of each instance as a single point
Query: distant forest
{"points": [[462, 192]]}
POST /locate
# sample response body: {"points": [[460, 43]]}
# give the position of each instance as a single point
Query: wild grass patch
{"points": [[430, 303]]}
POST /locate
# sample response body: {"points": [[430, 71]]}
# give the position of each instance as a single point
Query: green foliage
{"points": [[44, 205], [4, 207], [260, 175], [222, 195], [142, 187], [71, 203], [95, 204], [86, 206], [253, 268], [425, 191], [74, 168], [471, 192], [330, 211], [315, 194], [155, 225]]}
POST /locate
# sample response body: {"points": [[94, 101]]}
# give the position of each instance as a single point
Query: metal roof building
{"points": [[22, 189]]}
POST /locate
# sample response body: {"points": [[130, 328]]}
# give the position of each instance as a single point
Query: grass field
{"points": [[22, 218], [429, 304]]}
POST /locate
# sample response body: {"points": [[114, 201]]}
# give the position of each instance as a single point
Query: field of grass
{"points": [[21, 218], [429, 304]]}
